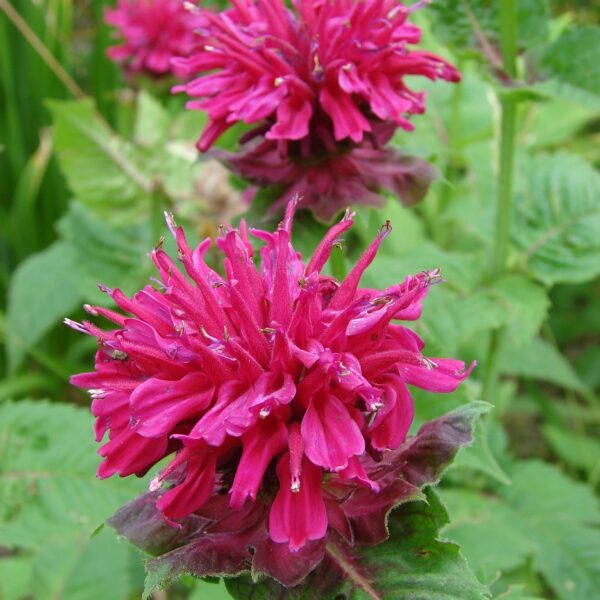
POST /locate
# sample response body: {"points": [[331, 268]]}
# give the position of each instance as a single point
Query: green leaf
{"points": [[51, 503], [574, 59], [454, 21], [539, 360], [415, 564], [15, 577], [43, 289], [543, 515], [110, 254], [479, 457], [576, 449], [204, 590], [524, 305], [103, 171], [151, 121], [558, 218], [457, 267]]}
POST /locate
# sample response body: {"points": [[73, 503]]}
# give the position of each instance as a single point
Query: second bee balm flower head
{"points": [[324, 86]]}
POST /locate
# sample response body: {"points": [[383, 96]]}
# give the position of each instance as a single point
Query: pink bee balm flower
{"points": [[271, 387], [153, 32], [339, 64]]}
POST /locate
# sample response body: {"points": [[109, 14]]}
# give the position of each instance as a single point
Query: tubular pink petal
{"points": [[297, 517]]}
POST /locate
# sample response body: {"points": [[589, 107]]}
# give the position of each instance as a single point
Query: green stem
{"points": [[508, 36], [505, 184], [508, 44]]}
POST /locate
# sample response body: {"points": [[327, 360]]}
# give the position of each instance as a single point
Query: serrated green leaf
{"points": [[103, 171], [543, 515], [558, 218], [414, 564], [539, 360], [42, 290], [51, 502]]}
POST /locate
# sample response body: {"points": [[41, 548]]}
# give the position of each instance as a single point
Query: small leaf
{"points": [[43, 289]]}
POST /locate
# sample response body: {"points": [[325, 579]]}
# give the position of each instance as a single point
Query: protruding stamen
{"points": [[170, 219], [90, 310], [155, 484], [105, 289], [264, 412], [75, 325]]}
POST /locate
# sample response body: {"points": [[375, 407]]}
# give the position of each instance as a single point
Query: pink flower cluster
{"points": [[153, 32], [319, 81], [278, 381]]}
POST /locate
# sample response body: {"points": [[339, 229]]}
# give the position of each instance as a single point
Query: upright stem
{"points": [[505, 180], [508, 44]]}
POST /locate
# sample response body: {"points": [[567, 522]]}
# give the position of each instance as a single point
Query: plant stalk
{"points": [[508, 108]]}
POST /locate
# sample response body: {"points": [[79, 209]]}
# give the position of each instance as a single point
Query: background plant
{"points": [[83, 180]]}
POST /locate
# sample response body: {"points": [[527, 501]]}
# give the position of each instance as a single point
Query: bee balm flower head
{"points": [[338, 64], [273, 388]]}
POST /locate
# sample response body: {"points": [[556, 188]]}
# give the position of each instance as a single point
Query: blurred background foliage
{"points": [[87, 163]]}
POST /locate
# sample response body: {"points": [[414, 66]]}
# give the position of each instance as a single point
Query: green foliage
{"points": [[573, 60], [102, 170], [51, 503], [558, 218], [543, 516], [52, 284], [43, 289], [540, 360], [525, 527], [415, 564], [463, 23]]}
